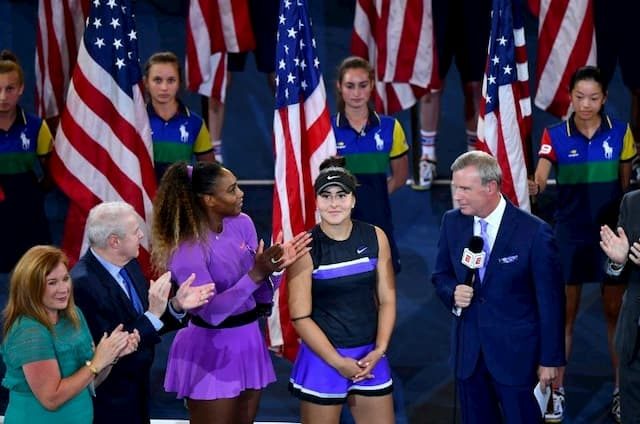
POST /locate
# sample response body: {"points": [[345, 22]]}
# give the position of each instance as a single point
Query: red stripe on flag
{"points": [[292, 176], [303, 137], [89, 172], [54, 60], [242, 25], [566, 43], [57, 43], [507, 187], [407, 55], [388, 35], [212, 15], [194, 73], [549, 31], [126, 133]]}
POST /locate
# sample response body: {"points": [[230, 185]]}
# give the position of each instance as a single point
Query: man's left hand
{"points": [[546, 376]]}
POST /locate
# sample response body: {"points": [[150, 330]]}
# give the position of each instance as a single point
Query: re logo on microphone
{"points": [[472, 260]]}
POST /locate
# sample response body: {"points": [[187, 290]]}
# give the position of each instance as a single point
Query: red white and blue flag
{"points": [[566, 42], [303, 138], [396, 37], [504, 125], [103, 150], [215, 27], [59, 31]]}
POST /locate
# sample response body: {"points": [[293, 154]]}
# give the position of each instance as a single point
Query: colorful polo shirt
{"points": [[368, 154], [370, 150], [587, 171], [20, 145], [22, 219], [179, 138]]}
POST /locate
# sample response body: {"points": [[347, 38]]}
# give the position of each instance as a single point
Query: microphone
{"points": [[473, 258]]}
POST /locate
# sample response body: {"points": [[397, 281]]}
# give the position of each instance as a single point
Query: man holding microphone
{"points": [[509, 330]]}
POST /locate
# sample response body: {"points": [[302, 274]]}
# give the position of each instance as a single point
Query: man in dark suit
{"points": [[624, 263], [110, 289], [509, 333]]}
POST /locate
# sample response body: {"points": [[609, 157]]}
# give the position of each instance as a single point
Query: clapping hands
{"points": [[278, 256], [117, 344], [189, 297], [615, 245]]}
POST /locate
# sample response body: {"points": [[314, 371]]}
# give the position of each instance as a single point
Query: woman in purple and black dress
{"points": [[219, 362], [342, 303]]}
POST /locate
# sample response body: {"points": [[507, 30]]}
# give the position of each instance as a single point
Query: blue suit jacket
{"points": [[123, 397], [516, 317]]}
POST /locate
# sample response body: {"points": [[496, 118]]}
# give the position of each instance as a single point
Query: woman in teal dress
{"points": [[51, 363]]}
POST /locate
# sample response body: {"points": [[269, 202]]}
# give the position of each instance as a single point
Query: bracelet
{"points": [[299, 318], [92, 368], [616, 266]]}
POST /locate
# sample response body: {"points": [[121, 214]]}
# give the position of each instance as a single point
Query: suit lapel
{"points": [[111, 286], [506, 230]]}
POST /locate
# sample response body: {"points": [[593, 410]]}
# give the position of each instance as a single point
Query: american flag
{"points": [[103, 147], [303, 139], [59, 31], [215, 27], [504, 125], [566, 42], [396, 36]]}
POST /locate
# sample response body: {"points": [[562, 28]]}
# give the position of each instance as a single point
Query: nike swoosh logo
{"points": [[333, 177], [361, 249]]}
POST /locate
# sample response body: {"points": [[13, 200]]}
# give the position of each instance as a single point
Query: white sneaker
{"points": [[427, 173], [615, 406], [557, 414], [635, 170], [217, 152]]}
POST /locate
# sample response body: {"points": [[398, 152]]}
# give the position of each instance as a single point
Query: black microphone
{"points": [[473, 258]]}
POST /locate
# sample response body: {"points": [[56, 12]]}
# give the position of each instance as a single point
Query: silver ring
{"points": [[274, 261]]}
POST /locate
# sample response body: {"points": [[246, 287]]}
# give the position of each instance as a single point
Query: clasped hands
{"points": [[359, 369], [278, 256]]}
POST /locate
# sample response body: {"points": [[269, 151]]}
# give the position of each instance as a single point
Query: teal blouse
{"points": [[29, 341]]}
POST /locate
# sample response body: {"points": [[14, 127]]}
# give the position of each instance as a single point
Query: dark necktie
{"points": [[131, 290], [486, 248]]}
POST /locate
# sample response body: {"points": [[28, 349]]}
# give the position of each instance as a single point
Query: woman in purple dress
{"points": [[219, 362]]}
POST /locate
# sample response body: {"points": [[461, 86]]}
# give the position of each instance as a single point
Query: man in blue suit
{"points": [[110, 289], [623, 249], [509, 330]]}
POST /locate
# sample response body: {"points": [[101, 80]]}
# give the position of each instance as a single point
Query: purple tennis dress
{"points": [[207, 364]]}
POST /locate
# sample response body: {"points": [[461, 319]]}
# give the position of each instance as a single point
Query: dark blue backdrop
{"points": [[419, 348]]}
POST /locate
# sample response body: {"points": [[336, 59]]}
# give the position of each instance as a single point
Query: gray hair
{"points": [[487, 166], [106, 219]]}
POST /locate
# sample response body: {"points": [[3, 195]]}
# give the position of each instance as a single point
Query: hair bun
{"points": [[8, 55], [333, 162]]}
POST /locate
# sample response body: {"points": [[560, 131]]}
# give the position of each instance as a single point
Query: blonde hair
{"points": [[27, 285]]}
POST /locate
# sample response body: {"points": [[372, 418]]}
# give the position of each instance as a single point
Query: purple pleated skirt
{"points": [[206, 364], [314, 380]]}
